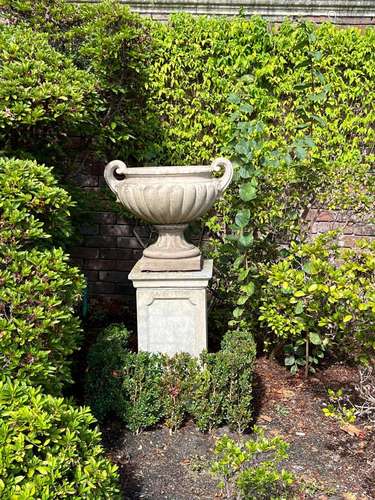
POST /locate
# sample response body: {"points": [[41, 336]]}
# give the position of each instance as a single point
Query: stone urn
{"points": [[169, 198]]}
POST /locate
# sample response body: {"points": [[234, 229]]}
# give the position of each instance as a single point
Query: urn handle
{"points": [[118, 167], [224, 181]]}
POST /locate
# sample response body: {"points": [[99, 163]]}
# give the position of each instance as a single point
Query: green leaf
{"points": [[233, 99], [315, 338], [299, 307], [248, 191], [242, 218], [237, 313], [249, 288], [289, 360], [246, 108], [347, 318], [301, 152], [307, 267], [246, 240], [319, 120], [241, 301]]}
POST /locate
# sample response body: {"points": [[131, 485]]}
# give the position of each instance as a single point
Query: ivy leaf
{"points": [[245, 172], [233, 99], [289, 360], [246, 240], [301, 152], [248, 289], [302, 126], [248, 191], [237, 263], [347, 318], [246, 108], [242, 218], [238, 312], [241, 301], [315, 338], [319, 120]]}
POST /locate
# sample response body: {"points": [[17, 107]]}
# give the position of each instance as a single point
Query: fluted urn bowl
{"points": [[169, 198]]}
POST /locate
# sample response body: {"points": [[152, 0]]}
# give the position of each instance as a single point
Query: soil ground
{"points": [[330, 461]]}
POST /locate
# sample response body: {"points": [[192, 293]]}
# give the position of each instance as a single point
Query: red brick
{"points": [[89, 229], [322, 227], [125, 265], [348, 241], [113, 276], [311, 214], [325, 216], [99, 288], [364, 230], [123, 219], [91, 275], [127, 242], [103, 217], [101, 241], [76, 262], [116, 253], [100, 265], [84, 253], [116, 230]]}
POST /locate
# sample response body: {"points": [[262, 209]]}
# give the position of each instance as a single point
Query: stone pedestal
{"points": [[171, 310]]}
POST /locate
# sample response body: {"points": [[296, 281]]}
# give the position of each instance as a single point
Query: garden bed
{"points": [[328, 461]]}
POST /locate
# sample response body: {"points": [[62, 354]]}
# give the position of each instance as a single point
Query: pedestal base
{"points": [[171, 310], [158, 265]]}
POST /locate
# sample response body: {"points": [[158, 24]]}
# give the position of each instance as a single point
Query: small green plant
{"points": [[143, 389], [251, 468], [318, 297], [340, 407], [50, 448]]}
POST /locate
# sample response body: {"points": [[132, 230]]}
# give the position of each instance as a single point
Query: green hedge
{"points": [[34, 210], [144, 389], [49, 448], [39, 289]]}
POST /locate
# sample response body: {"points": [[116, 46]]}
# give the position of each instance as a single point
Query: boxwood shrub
{"points": [[50, 448], [143, 389]]}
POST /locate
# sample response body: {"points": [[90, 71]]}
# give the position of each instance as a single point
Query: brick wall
{"points": [[352, 229]]}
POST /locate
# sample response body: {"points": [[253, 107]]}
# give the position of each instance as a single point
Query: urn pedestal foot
{"points": [[171, 252], [187, 264], [172, 310]]}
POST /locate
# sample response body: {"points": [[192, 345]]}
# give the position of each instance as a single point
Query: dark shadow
{"points": [[113, 442], [258, 396]]}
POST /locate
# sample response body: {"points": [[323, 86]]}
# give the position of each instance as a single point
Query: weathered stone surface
{"points": [[187, 264], [171, 310], [337, 11], [169, 198]]}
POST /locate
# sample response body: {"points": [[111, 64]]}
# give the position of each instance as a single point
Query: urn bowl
{"points": [[169, 198]]}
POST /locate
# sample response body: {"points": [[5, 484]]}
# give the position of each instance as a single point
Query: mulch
{"points": [[330, 460]]}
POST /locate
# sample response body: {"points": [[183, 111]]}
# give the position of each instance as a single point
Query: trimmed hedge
{"points": [[39, 289], [49, 448], [144, 389], [34, 210]]}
